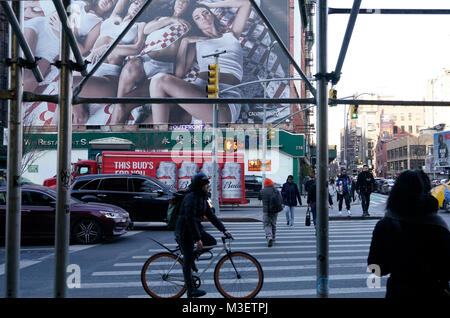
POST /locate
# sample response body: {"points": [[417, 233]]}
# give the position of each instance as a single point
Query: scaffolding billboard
{"points": [[162, 55]]}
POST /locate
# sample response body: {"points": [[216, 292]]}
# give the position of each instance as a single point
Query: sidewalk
{"points": [[252, 212]]}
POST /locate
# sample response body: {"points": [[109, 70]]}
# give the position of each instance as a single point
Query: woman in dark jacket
{"points": [[412, 243], [189, 229], [290, 194]]}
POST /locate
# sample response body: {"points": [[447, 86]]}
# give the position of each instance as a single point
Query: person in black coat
{"points": [[290, 195], [189, 230], [412, 242], [312, 200], [364, 186]]}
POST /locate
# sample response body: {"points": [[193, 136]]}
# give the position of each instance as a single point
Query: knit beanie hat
{"points": [[268, 183]]}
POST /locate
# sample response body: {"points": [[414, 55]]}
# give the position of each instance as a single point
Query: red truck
{"points": [[174, 169]]}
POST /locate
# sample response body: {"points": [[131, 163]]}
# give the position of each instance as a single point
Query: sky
{"points": [[390, 55]]}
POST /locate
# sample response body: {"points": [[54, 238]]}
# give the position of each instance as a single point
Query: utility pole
{"points": [[322, 152], [213, 92]]}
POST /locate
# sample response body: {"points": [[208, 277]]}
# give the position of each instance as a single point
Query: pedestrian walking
{"points": [[290, 194], [364, 187], [411, 243], [189, 230], [332, 187], [312, 200], [269, 217], [343, 187]]}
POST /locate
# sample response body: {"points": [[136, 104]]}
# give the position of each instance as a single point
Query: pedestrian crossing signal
{"points": [[213, 81]]}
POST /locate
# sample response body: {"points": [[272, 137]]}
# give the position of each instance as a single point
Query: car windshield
{"points": [[52, 193]]}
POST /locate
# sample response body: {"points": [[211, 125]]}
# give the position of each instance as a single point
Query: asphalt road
{"points": [[112, 269]]}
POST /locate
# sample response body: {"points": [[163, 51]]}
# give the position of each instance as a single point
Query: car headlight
{"points": [[112, 215]]}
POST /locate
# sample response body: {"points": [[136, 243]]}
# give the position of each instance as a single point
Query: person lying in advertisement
{"points": [[105, 80], [162, 40], [212, 36], [42, 31]]}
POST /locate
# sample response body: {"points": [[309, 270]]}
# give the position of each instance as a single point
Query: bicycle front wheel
{"points": [[238, 275], [162, 276]]}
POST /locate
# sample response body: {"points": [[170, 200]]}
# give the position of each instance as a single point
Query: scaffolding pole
{"points": [[14, 193], [70, 36], [322, 153], [62, 223]]}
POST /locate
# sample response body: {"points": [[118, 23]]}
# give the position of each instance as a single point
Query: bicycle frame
{"points": [[177, 252]]}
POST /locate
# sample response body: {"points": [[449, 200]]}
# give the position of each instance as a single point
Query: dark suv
{"points": [[143, 197]]}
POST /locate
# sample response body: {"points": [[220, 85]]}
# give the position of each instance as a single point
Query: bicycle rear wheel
{"points": [[238, 275], [162, 276]]}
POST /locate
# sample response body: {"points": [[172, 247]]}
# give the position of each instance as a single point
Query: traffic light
{"points": [[332, 95], [213, 81], [354, 111]]}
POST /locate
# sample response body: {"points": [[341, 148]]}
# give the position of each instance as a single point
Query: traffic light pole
{"points": [[214, 89], [322, 153]]}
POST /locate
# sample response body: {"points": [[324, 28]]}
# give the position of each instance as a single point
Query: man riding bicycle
{"points": [[189, 230]]}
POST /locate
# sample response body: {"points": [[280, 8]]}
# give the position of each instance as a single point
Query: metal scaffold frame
{"points": [[68, 97]]}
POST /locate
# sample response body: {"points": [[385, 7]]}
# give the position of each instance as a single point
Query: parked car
{"points": [[253, 184], [144, 198], [387, 186], [89, 223], [378, 184]]}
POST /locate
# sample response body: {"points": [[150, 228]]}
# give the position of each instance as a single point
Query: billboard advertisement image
{"points": [[164, 54], [441, 149]]}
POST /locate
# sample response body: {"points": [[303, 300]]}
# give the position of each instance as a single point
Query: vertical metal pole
{"points": [[345, 135], [214, 192], [322, 153], [14, 193], [62, 223]]}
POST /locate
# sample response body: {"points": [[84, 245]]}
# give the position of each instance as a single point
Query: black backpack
{"points": [[173, 211], [275, 202]]}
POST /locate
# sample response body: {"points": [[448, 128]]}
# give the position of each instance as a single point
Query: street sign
{"points": [[292, 144]]}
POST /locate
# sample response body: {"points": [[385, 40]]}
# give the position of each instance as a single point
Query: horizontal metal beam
{"points": [[6, 94], [389, 11], [388, 102], [138, 100], [70, 36], [31, 60], [32, 97]]}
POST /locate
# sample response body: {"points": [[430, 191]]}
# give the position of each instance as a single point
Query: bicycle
{"points": [[236, 274]]}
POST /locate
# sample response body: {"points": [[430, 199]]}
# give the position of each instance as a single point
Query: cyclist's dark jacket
{"points": [[192, 210]]}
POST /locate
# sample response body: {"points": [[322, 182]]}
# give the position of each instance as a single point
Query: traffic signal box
{"points": [[213, 81], [332, 95], [354, 111]]}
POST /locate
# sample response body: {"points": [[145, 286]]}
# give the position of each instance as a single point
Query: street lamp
{"points": [[264, 139]]}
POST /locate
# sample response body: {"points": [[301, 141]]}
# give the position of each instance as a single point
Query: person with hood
{"points": [[189, 230], [364, 186], [290, 194], [412, 242], [343, 187], [269, 218]]}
